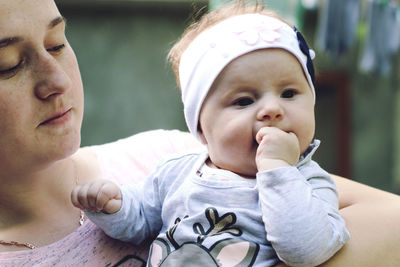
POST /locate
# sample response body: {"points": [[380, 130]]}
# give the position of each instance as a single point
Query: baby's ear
{"points": [[201, 135]]}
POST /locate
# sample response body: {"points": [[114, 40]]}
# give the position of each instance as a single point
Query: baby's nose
{"points": [[271, 111]]}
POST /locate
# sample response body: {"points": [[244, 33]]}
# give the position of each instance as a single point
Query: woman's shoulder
{"points": [[86, 164], [132, 159]]}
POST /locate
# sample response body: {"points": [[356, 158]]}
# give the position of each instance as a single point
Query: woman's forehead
{"points": [[20, 17]]}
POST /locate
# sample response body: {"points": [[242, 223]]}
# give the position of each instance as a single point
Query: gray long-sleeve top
{"points": [[218, 218]]}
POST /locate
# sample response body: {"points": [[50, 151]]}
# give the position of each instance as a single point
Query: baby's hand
{"points": [[97, 196], [276, 149]]}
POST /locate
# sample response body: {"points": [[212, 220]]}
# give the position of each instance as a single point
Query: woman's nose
{"points": [[51, 79], [270, 110]]}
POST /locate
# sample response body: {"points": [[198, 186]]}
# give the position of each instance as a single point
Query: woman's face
{"points": [[41, 94]]}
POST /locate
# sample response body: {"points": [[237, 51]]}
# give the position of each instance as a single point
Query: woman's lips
{"points": [[58, 119]]}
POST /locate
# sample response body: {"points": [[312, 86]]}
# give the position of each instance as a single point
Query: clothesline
{"points": [[339, 22]]}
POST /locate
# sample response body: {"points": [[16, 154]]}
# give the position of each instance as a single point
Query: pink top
{"points": [[127, 160]]}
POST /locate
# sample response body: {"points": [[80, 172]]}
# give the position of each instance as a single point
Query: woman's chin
{"points": [[65, 148]]}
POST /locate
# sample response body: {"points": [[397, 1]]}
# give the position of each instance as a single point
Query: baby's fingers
{"points": [[85, 196], [94, 195], [79, 197], [260, 135], [74, 198], [109, 198]]}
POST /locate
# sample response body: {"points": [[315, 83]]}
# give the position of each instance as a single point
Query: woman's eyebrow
{"points": [[12, 40], [9, 41], [56, 21]]}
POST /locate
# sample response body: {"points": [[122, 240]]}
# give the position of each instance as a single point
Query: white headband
{"points": [[216, 47]]}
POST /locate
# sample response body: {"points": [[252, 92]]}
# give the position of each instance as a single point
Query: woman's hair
{"points": [[211, 18]]}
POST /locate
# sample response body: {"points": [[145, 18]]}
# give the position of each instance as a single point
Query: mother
{"points": [[41, 106]]}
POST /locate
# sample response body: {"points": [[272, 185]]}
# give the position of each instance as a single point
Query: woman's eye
{"points": [[56, 48], [245, 101], [288, 94], [8, 73]]}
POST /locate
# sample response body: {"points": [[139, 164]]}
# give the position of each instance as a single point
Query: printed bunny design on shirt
{"points": [[225, 252]]}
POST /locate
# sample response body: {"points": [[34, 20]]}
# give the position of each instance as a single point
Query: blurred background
{"points": [[122, 46]]}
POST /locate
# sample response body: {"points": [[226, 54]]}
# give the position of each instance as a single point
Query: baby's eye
{"points": [[244, 101], [289, 93]]}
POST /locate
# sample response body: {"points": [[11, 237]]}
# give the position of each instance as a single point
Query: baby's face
{"points": [[264, 88]]}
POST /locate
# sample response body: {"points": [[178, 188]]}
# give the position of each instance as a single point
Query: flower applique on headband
{"points": [[251, 34]]}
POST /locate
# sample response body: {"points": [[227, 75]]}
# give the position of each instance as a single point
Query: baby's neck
{"points": [[210, 164]]}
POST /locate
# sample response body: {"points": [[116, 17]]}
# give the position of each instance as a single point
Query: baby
{"points": [[253, 196]]}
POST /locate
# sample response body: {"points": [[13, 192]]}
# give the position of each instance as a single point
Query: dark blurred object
{"points": [[337, 25], [383, 37]]}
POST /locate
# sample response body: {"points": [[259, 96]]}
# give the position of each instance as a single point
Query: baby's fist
{"points": [[276, 148], [100, 195]]}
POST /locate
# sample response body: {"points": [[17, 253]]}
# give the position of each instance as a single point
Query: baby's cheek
{"points": [[305, 140], [306, 131]]}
